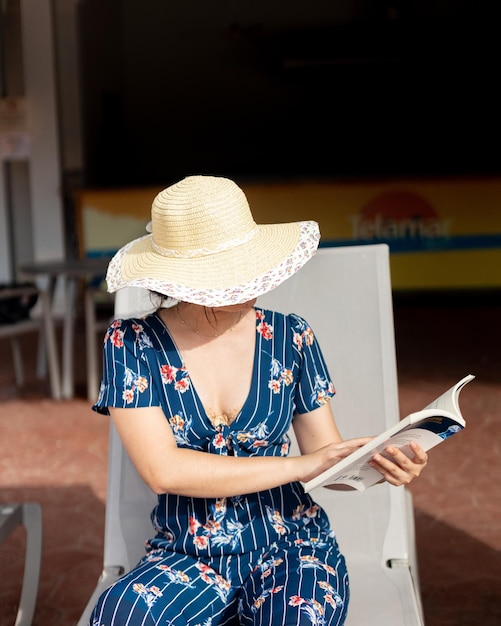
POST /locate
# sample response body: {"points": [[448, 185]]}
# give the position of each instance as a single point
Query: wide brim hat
{"points": [[206, 248]]}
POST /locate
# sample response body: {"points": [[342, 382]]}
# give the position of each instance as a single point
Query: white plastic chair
{"points": [[29, 515], [345, 295]]}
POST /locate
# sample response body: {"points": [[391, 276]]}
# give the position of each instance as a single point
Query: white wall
{"points": [[39, 40]]}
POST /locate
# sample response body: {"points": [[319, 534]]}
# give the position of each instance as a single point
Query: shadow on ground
{"points": [[72, 553], [460, 576]]}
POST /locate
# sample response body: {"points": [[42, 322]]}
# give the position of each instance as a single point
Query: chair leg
{"points": [[17, 357], [91, 348], [29, 515], [68, 373], [32, 520], [42, 357], [49, 345]]}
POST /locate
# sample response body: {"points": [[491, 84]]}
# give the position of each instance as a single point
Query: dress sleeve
{"points": [[127, 380], [314, 385]]}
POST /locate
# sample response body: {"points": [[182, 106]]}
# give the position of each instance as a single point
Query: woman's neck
{"points": [[208, 322]]}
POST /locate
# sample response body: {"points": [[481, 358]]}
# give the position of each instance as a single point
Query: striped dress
{"points": [[257, 558]]}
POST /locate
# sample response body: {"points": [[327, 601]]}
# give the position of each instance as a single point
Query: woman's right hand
{"points": [[314, 463], [320, 442]]}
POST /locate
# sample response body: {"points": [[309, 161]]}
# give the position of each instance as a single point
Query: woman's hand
{"points": [[399, 469], [322, 447], [394, 466], [314, 463]]}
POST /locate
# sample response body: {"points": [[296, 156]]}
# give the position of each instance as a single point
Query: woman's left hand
{"points": [[400, 469]]}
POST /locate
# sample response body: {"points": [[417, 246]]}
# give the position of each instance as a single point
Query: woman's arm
{"points": [[316, 429], [166, 468]]}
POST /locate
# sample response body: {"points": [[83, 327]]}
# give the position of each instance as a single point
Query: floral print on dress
{"points": [[303, 334], [279, 375], [220, 528], [312, 608], [248, 442], [300, 513], [266, 566], [221, 443], [133, 382], [207, 574], [263, 328], [253, 438], [181, 427], [260, 600], [211, 577], [115, 334], [149, 594], [142, 339], [276, 520], [323, 390], [312, 542], [178, 376], [312, 562], [332, 596], [174, 575]]}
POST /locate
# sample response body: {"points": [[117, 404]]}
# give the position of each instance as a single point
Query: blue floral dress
{"points": [[263, 558]]}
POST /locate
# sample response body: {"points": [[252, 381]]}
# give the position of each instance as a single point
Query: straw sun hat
{"points": [[205, 247]]}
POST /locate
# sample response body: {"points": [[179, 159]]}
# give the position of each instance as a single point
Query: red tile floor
{"points": [[55, 453]]}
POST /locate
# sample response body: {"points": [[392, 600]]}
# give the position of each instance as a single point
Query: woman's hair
{"points": [[161, 301]]}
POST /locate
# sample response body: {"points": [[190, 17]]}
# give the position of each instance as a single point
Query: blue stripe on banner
{"points": [[408, 244], [97, 254], [425, 244]]}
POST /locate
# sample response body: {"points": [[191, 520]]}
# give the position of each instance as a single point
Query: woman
{"points": [[202, 394]]}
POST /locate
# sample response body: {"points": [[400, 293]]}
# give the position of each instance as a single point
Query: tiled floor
{"points": [[55, 454]]}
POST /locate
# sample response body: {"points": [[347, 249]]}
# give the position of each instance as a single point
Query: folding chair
{"points": [[345, 295], [45, 327], [28, 515]]}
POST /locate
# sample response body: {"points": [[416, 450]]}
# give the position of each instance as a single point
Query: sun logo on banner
{"points": [[403, 219]]}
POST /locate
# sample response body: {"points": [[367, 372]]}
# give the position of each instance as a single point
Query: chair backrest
{"points": [[345, 295]]}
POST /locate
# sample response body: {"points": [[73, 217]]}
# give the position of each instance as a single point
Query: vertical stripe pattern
{"points": [[264, 557]]}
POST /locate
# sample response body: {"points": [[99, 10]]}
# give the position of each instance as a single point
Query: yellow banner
{"points": [[441, 233]]}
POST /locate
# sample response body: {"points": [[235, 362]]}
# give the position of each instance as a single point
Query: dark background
{"points": [[275, 90]]}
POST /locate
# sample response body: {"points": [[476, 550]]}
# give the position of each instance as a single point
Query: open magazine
{"points": [[428, 427]]}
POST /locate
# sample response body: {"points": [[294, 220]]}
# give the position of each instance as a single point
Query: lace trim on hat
{"points": [[195, 252]]}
